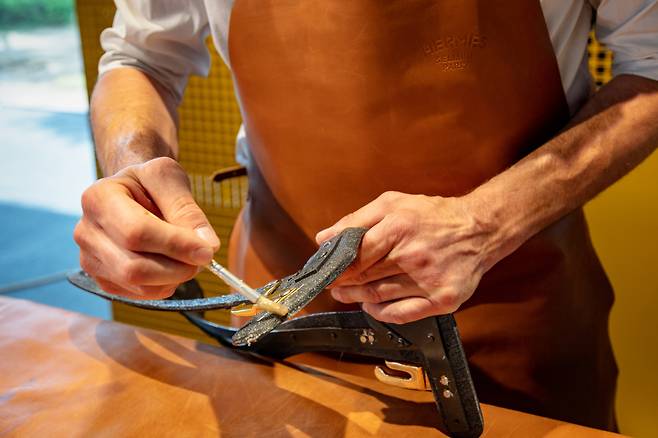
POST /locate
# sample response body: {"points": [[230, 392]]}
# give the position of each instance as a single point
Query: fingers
{"points": [[412, 308], [135, 229], [381, 270], [402, 311], [132, 273], [418, 258], [142, 233], [111, 203], [168, 185], [374, 260], [366, 216], [154, 293], [371, 262], [387, 289]]}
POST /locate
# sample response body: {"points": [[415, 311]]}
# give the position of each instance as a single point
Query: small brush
{"points": [[243, 289]]}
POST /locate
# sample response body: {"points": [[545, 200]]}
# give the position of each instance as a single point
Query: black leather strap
{"points": [[331, 259], [432, 343], [82, 280]]}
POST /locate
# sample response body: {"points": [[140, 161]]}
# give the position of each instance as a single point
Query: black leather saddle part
{"points": [[429, 350]]}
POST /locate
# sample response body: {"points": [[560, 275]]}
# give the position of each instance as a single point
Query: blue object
{"points": [[37, 247]]}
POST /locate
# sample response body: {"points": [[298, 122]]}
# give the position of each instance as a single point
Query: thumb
{"points": [[169, 187], [207, 233]]}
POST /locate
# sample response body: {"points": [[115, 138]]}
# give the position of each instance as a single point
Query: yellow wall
{"points": [[624, 226]]}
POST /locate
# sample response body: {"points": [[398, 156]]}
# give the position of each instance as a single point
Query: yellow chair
{"points": [[624, 221]]}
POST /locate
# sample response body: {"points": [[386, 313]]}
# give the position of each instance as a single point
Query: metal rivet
{"points": [[430, 337], [367, 335], [444, 380], [389, 335], [447, 393]]}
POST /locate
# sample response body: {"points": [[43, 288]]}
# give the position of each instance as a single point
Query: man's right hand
{"points": [[142, 233]]}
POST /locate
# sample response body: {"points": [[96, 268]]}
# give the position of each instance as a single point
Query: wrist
{"points": [[134, 147], [493, 221]]}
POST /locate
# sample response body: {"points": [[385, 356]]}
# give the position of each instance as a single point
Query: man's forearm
{"points": [[613, 133], [133, 120]]}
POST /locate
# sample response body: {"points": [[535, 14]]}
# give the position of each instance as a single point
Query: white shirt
{"points": [[166, 39]]}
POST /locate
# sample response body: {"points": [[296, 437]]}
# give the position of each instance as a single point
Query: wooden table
{"points": [[65, 374]]}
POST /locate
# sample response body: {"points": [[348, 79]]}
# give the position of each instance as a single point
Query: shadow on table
{"points": [[241, 387]]}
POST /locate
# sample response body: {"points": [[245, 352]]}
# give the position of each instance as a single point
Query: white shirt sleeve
{"points": [[630, 29], [163, 38]]}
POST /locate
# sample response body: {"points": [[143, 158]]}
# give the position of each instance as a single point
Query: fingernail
{"points": [[202, 256], [208, 234]]}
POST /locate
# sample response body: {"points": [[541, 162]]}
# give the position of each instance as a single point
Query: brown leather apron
{"points": [[344, 100]]}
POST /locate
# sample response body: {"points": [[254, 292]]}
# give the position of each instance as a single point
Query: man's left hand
{"points": [[421, 256]]}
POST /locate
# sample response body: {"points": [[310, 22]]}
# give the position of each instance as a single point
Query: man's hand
{"points": [[425, 256], [422, 256], [141, 233]]}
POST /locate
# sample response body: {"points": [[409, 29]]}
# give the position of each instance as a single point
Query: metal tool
{"points": [[428, 352], [243, 289]]}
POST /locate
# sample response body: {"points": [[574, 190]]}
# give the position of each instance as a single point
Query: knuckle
{"points": [[133, 272], [161, 163], [397, 317], [374, 293], [186, 209], [389, 196], [397, 257], [166, 162], [88, 264], [418, 259], [89, 200], [361, 277], [79, 236], [163, 167], [435, 280], [447, 301], [401, 223], [406, 219], [133, 237]]}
